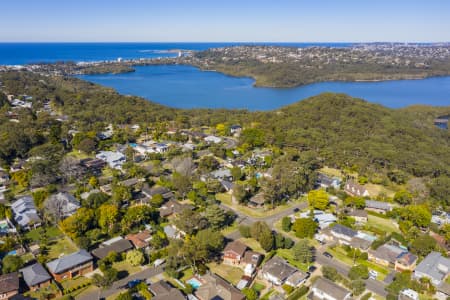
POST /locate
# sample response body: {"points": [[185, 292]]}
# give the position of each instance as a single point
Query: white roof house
{"points": [[213, 139], [114, 159]]}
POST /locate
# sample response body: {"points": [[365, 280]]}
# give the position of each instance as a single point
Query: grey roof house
{"points": [[119, 246], [35, 276], [72, 265], [343, 233], [326, 289], [67, 203], [25, 212], [277, 270], [435, 267]]}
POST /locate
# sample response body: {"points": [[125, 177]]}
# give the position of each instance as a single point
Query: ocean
{"points": [[26, 53]]}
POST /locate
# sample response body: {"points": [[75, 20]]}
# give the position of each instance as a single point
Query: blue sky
{"points": [[232, 20]]}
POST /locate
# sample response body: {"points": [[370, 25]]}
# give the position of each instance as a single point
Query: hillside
{"points": [[343, 131]]}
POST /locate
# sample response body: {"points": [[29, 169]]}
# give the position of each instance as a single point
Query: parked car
{"points": [[311, 269], [132, 283], [328, 255], [373, 274]]}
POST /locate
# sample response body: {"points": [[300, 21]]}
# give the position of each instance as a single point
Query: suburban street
{"points": [[118, 285], [371, 284]]}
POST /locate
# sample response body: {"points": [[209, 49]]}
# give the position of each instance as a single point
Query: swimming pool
{"points": [[194, 282]]}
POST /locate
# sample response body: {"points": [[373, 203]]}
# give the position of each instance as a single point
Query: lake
{"points": [[188, 87]]}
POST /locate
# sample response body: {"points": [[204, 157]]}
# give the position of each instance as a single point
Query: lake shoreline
{"points": [[185, 87]]}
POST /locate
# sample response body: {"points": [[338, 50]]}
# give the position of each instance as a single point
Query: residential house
{"points": [[443, 291], [408, 294], [67, 203], [235, 129], [9, 285], [251, 261], [441, 241], [440, 218], [107, 189], [343, 234], [435, 267], [277, 270], [359, 215], [36, 276], [118, 245], [257, 201], [322, 218], [222, 174], [227, 185], [215, 287], [326, 181], [378, 206], [393, 256], [328, 290], [162, 290], [6, 227], [25, 213], [140, 240], [297, 279], [172, 232], [212, 139], [406, 261], [93, 165], [361, 242], [442, 122], [149, 192], [356, 190], [114, 159], [173, 207], [4, 177], [234, 253], [70, 266]]}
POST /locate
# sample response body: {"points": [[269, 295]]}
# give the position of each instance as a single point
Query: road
{"points": [[118, 285], [373, 285]]}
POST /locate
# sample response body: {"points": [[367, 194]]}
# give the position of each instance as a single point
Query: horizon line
{"points": [[221, 42]]}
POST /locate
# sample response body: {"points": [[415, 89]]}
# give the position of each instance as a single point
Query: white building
{"points": [[114, 159]]}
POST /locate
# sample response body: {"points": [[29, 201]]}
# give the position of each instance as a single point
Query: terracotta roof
{"points": [[236, 247], [9, 282], [140, 239]]}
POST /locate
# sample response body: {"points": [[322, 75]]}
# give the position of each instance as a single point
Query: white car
{"points": [[373, 274]]}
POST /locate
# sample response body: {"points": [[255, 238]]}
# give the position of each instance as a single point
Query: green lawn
{"points": [[125, 266], [289, 256], [376, 189], [382, 224], [61, 246], [253, 244], [229, 273], [76, 282], [340, 255], [187, 274], [225, 199], [331, 172], [233, 227], [43, 293], [35, 234], [258, 286]]}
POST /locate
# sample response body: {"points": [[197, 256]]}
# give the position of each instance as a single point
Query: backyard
{"points": [[225, 199], [382, 224], [229, 273], [59, 247]]}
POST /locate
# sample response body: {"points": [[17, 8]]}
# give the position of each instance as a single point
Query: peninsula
{"points": [[281, 67]]}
